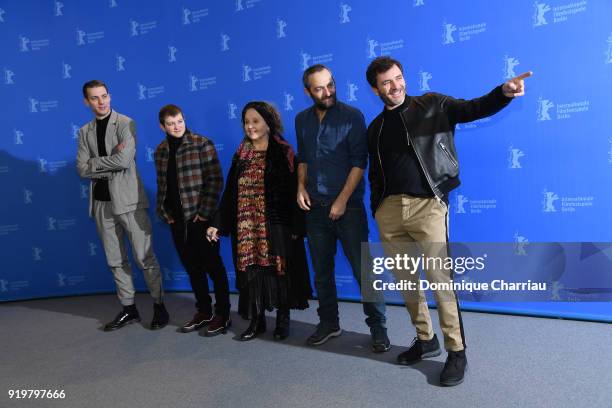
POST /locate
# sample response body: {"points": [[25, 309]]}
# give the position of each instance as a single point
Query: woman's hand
{"points": [[212, 234]]}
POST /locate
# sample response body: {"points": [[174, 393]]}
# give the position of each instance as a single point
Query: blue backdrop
{"points": [[539, 171]]}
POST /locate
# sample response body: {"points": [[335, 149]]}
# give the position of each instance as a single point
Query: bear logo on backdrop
{"points": [[540, 10], [8, 77], [280, 28], [514, 156], [344, 13], [424, 78], [548, 201]]}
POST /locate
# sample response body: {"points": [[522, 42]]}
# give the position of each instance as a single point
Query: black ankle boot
{"points": [[258, 323], [281, 331]]}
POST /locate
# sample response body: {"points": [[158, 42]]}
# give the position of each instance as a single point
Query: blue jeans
{"points": [[322, 232]]}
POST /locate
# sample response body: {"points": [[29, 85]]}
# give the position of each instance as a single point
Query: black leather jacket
{"points": [[430, 122]]}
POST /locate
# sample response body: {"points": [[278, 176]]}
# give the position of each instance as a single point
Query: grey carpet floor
{"points": [[513, 361]]}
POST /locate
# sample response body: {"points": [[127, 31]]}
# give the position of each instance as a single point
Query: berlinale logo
{"points": [[58, 9], [544, 105], [8, 77], [66, 68], [344, 10], [351, 90], [119, 64], [36, 254], [548, 201], [231, 110], [424, 78], [509, 64], [246, 73], [447, 33], [540, 9], [520, 244], [460, 202], [18, 137], [280, 28], [172, 50], [514, 156], [288, 101], [27, 196], [225, 42]]}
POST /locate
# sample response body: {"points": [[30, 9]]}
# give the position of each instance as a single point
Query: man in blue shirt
{"points": [[332, 157]]}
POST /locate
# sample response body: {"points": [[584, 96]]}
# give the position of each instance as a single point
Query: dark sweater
{"points": [[403, 173], [101, 191], [172, 203]]}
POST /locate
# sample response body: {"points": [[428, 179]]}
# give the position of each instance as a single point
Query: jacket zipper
{"points": [[410, 142], [382, 170], [443, 146]]}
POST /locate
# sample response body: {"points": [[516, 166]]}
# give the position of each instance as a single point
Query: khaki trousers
{"points": [[402, 221]]}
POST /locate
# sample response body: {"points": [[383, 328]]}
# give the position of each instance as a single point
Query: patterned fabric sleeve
{"points": [[212, 180]]}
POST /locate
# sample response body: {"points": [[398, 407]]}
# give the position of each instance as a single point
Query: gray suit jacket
{"points": [[126, 188]]}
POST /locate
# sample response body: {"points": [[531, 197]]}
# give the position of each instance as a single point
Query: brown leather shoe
{"points": [[199, 320], [219, 324]]}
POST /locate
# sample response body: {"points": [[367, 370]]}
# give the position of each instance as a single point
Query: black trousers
{"points": [[200, 257]]}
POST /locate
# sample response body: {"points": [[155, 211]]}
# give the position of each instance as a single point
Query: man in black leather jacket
{"points": [[413, 167]]}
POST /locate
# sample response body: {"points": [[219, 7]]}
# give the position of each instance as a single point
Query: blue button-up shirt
{"points": [[331, 148]]}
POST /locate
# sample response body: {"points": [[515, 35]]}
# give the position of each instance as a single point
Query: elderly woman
{"points": [[259, 210]]}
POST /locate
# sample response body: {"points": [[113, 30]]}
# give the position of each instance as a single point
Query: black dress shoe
{"points": [[160, 316], [124, 318], [257, 326]]}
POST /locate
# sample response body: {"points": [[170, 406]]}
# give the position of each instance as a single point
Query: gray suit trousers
{"points": [[137, 226]]}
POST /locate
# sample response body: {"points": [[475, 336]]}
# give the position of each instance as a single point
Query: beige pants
{"points": [[403, 219]]}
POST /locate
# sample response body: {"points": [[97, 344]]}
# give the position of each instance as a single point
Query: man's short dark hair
{"points": [[311, 70], [169, 110], [380, 65], [93, 84]]}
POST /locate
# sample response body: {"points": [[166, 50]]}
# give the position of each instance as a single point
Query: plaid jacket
{"points": [[200, 180]]}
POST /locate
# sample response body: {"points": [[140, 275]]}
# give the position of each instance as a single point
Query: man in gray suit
{"points": [[117, 201]]}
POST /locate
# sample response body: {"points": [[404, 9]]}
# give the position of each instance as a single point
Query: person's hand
{"points": [[198, 218], [170, 221], [212, 234], [303, 199], [337, 209], [516, 86], [119, 148]]}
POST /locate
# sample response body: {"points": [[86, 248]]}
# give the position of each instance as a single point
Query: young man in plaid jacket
{"points": [[189, 183]]}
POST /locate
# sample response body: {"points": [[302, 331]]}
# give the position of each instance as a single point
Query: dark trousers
{"points": [[200, 257], [323, 233]]}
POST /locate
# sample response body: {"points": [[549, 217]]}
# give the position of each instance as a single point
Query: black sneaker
{"points": [[419, 350], [199, 320], [160, 316], [127, 316], [322, 334], [454, 369], [380, 340]]}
